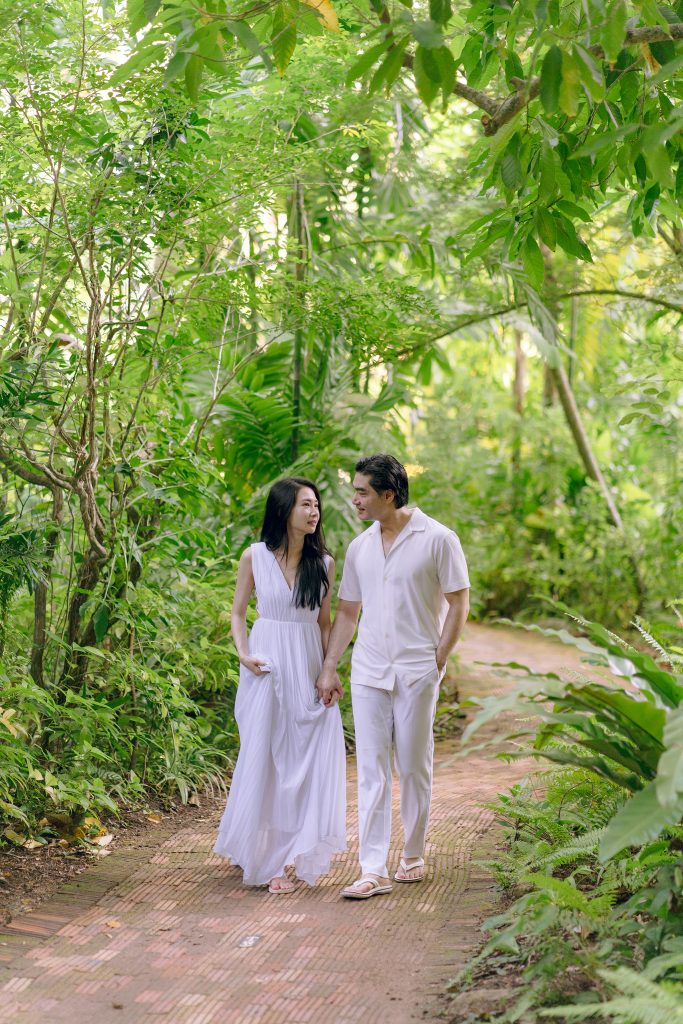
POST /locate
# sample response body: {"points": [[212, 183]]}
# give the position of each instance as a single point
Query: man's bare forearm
{"points": [[458, 610], [341, 636]]}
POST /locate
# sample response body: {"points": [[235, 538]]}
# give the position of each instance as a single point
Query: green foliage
{"points": [[20, 557], [573, 921], [157, 718], [638, 1001], [598, 87], [626, 735], [521, 501], [595, 882], [213, 273]]}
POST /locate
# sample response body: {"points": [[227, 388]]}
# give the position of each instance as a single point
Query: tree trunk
{"points": [[42, 591], [560, 382], [251, 275], [298, 230], [88, 577], [548, 388], [518, 396], [590, 463]]}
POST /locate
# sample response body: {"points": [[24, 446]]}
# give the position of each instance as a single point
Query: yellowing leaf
{"points": [[14, 837], [283, 37], [5, 716], [102, 840], [326, 13], [652, 61]]}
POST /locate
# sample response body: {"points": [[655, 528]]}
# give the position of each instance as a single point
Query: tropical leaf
{"points": [[641, 819], [326, 13], [551, 79], [670, 768], [283, 35]]}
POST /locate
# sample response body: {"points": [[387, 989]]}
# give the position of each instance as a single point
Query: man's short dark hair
{"points": [[386, 474]]}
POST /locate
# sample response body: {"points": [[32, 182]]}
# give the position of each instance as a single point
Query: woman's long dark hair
{"points": [[312, 582]]}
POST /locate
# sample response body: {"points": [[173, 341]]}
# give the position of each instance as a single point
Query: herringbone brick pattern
{"points": [[168, 932]]}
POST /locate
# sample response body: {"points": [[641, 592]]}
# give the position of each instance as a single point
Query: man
{"points": [[409, 575]]}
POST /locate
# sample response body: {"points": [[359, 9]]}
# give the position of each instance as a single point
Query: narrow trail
{"points": [[168, 932]]}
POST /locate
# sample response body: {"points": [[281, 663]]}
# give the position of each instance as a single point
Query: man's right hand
{"points": [[329, 687]]}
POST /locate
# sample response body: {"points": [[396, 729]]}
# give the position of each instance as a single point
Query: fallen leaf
{"points": [[113, 924], [32, 844], [102, 840], [14, 837]]}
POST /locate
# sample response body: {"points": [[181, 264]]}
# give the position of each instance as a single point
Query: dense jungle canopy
{"points": [[243, 240]]}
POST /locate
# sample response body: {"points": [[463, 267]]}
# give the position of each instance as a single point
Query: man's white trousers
{"points": [[404, 715]]}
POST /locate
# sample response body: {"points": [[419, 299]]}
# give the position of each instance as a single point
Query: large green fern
{"points": [[639, 1001]]}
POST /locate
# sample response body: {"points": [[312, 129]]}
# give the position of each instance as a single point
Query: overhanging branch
{"points": [[479, 318], [517, 101], [497, 111]]}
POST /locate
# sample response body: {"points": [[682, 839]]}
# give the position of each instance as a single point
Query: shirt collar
{"points": [[418, 520], [416, 523]]}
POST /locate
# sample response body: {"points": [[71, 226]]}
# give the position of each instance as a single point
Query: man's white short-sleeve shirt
{"points": [[403, 601]]}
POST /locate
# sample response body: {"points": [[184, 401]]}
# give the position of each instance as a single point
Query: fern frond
{"points": [[644, 630], [640, 1002], [660, 965], [613, 636], [581, 846], [567, 897]]}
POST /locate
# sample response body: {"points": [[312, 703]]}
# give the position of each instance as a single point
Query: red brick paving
{"points": [[170, 934]]}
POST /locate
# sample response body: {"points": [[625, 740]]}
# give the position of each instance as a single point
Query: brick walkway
{"points": [[169, 933]]}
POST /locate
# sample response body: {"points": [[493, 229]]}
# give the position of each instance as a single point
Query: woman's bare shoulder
{"points": [[247, 557]]}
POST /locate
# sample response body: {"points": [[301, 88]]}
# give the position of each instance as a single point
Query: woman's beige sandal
{"points": [[352, 892], [280, 890], [418, 863]]}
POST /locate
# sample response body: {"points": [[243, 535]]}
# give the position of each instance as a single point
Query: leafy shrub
{"points": [[593, 861]]}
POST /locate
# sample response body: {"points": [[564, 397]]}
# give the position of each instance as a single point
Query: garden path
{"points": [[166, 931]]}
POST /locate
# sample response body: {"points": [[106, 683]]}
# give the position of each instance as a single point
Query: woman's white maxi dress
{"points": [[287, 801]]}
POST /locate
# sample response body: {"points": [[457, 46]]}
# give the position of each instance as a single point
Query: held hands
{"points": [[329, 688]]}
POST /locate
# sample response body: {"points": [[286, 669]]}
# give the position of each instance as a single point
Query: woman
{"points": [[287, 801]]}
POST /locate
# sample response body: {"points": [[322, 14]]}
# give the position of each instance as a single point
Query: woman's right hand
{"points": [[257, 666]]}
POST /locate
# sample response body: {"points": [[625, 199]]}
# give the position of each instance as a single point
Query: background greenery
{"points": [[241, 241]]}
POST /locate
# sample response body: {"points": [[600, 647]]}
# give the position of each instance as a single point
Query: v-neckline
{"points": [[279, 569], [398, 536]]}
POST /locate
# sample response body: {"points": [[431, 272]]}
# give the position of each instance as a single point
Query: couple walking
{"points": [[407, 572]]}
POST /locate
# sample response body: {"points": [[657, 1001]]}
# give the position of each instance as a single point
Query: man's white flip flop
{"points": [[419, 863], [377, 888]]}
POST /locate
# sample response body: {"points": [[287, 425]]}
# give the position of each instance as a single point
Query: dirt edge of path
{"points": [[50, 887]]}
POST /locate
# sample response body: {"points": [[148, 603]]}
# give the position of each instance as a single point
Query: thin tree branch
{"points": [[511, 105], [499, 111], [479, 318]]}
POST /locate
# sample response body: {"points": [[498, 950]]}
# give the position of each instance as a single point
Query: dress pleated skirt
{"points": [[287, 800]]}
